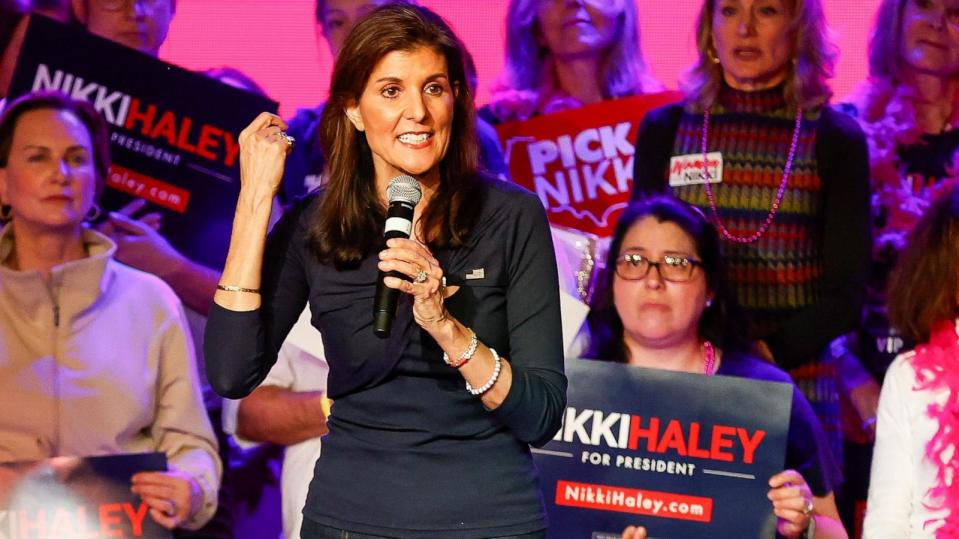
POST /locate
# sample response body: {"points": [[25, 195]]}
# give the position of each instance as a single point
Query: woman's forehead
{"points": [[651, 233], [51, 125]]}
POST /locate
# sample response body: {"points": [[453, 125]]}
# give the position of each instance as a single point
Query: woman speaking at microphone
{"points": [[431, 426]]}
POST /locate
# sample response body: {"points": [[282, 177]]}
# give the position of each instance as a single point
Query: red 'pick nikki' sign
{"points": [[580, 162]]}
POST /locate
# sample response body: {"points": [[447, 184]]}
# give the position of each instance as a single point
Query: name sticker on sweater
{"points": [[688, 169]]}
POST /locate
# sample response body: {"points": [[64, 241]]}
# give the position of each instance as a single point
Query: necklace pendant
{"points": [[780, 192]]}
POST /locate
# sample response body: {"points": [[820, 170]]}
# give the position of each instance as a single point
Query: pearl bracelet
{"points": [[492, 379], [466, 355]]}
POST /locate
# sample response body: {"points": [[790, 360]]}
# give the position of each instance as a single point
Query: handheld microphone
{"points": [[403, 193]]}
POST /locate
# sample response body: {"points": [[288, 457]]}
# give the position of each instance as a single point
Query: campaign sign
{"points": [[684, 455], [173, 133], [580, 162], [77, 498]]}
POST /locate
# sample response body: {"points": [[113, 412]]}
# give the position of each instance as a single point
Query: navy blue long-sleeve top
{"points": [[409, 451]]}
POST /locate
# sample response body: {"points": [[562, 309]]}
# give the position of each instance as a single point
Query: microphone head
{"points": [[404, 189]]}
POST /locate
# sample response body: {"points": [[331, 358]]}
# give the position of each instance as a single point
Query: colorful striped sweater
{"points": [[800, 284]]}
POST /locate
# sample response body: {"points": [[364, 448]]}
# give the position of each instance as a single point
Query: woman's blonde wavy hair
{"points": [[529, 62], [811, 68]]}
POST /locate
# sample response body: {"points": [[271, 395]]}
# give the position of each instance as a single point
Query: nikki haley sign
{"points": [[684, 455], [173, 133], [77, 498]]}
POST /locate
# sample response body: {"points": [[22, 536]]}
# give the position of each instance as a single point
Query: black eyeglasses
{"points": [[677, 269]]}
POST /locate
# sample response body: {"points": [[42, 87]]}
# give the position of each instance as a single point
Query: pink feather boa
{"points": [[937, 367], [888, 119]]}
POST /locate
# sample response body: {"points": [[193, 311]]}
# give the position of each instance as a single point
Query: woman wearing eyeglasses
{"points": [[662, 303]]}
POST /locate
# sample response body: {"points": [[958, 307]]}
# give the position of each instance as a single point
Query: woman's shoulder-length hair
{"points": [[885, 44], [721, 320], [809, 71], [886, 66], [924, 284], [348, 224], [624, 70]]}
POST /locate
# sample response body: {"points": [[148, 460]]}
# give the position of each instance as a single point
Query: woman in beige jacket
{"points": [[95, 357]]}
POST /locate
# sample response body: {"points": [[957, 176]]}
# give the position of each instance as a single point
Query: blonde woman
{"points": [[562, 55]]}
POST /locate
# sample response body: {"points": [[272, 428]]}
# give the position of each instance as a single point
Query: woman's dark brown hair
{"points": [[720, 320], [924, 284], [84, 111], [348, 224]]}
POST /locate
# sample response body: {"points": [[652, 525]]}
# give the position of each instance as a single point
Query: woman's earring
{"points": [[94, 213], [712, 56], [709, 303]]}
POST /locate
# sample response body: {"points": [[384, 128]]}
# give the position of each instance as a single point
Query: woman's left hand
{"points": [[414, 260], [170, 496], [792, 502]]}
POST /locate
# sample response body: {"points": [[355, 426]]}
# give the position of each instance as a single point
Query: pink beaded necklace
{"points": [[709, 358], [779, 194]]}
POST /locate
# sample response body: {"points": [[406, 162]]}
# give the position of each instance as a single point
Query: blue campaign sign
{"points": [[173, 133], [684, 455], [85, 497]]}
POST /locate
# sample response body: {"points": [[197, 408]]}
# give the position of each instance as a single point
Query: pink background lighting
{"points": [[275, 42]]}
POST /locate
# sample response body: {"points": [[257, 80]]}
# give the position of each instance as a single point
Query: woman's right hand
{"points": [[263, 150], [634, 532], [172, 496], [792, 502]]}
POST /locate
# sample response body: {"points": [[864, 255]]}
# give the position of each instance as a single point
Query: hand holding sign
{"points": [[152, 219], [140, 245], [634, 532], [792, 502], [172, 496], [86, 497]]}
